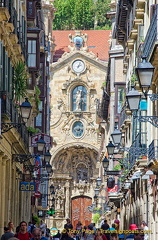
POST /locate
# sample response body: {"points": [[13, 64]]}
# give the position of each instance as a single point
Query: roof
{"points": [[97, 43]]}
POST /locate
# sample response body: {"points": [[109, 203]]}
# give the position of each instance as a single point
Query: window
{"points": [[31, 53], [39, 120], [79, 99], [121, 93]]}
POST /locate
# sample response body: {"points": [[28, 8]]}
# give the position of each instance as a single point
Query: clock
{"points": [[78, 66]]}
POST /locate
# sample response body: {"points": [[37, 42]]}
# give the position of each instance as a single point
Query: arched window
{"points": [[79, 99]]}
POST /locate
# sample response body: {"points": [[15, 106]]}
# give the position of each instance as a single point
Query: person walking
{"points": [[37, 234], [23, 234], [43, 227], [11, 227], [145, 229], [7, 234], [78, 230], [99, 235], [105, 228], [68, 225], [130, 236]]}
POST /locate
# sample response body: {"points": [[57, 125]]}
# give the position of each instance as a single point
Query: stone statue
{"points": [[78, 100]]}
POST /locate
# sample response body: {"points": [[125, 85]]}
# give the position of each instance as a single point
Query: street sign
{"points": [[37, 194], [53, 231], [27, 186], [46, 138], [115, 173]]}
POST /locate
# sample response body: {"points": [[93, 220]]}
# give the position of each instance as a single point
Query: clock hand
{"points": [[79, 65]]}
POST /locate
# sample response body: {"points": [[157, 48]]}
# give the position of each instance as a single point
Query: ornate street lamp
{"points": [[95, 199], [41, 144], [96, 190], [105, 163], [47, 157], [110, 148], [98, 181], [145, 71], [25, 109], [48, 168], [116, 136], [133, 99]]}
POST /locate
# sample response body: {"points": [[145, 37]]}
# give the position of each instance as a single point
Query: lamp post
{"points": [[133, 99], [98, 181], [41, 144], [48, 168], [25, 109], [105, 163], [116, 136], [47, 157], [96, 190], [110, 148], [145, 72]]}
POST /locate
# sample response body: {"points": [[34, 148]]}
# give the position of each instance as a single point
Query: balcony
{"points": [[151, 38], [10, 113]]}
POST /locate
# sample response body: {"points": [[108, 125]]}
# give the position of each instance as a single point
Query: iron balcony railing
{"points": [[9, 110], [153, 150], [152, 34]]}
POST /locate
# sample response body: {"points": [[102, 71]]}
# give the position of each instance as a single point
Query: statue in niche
{"points": [[82, 173], [78, 100], [59, 198]]}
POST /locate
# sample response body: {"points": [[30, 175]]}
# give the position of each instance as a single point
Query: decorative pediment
{"points": [[67, 59]]}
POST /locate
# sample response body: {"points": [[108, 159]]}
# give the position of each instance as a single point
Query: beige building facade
{"points": [[75, 88]]}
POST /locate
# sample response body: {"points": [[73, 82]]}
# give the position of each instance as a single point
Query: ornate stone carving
{"points": [[59, 201]]}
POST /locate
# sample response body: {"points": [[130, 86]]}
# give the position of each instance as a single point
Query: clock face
{"points": [[78, 66]]}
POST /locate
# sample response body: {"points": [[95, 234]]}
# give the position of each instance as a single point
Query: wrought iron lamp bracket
{"points": [[153, 96], [135, 151], [151, 119], [22, 158], [5, 127]]}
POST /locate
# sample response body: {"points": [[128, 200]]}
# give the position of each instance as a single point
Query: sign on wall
{"points": [[27, 186], [46, 138]]}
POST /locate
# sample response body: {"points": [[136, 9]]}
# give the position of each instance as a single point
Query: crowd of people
{"points": [[105, 232], [90, 232]]}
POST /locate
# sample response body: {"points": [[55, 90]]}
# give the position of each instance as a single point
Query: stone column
{"points": [[67, 200]]}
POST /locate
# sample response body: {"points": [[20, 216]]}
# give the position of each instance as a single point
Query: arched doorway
{"points": [[80, 211]]}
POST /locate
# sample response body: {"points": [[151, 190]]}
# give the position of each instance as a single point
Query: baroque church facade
{"points": [[75, 87]]}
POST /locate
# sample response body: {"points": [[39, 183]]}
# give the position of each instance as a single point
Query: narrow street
{"points": [[78, 120]]}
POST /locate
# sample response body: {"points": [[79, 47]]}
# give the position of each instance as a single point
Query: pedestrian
{"points": [[68, 225], [113, 236], [99, 235], [43, 227], [23, 234], [90, 232], [48, 232], [130, 236], [11, 227], [145, 229], [57, 236], [66, 235], [7, 234], [37, 234], [84, 233], [105, 228], [78, 230]]}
